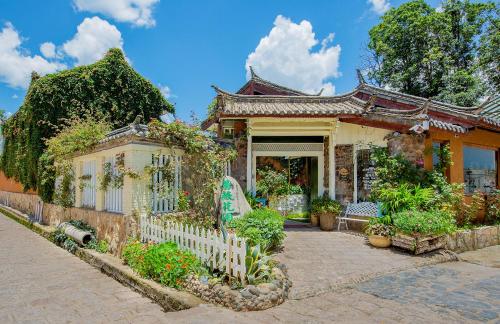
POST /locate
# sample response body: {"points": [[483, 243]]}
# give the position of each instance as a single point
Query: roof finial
{"points": [[137, 120], [481, 106], [361, 79], [252, 73], [320, 92]]}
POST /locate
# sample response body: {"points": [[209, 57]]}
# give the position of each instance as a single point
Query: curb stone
{"points": [[169, 298]]}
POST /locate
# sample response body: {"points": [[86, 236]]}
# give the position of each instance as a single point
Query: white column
{"points": [[355, 166], [321, 174], [78, 166], [99, 198], [249, 161], [331, 166], [254, 174]]}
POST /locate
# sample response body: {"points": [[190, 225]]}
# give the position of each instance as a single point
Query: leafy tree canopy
{"points": [[110, 88], [451, 54]]}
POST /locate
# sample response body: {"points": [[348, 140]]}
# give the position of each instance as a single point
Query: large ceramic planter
{"points": [[314, 220], [327, 221], [419, 245], [379, 241]]}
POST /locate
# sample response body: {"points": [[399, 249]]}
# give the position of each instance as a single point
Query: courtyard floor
{"points": [[337, 278]]}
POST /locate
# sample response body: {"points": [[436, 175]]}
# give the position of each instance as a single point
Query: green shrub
{"points": [[424, 223], [325, 205], [493, 207], [163, 262], [404, 197], [262, 227]]}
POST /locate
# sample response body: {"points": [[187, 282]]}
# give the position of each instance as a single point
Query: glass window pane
{"points": [[479, 169]]}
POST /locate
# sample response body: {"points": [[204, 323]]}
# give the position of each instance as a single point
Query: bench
{"points": [[366, 210]]}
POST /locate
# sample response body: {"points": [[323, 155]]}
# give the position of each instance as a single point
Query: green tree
{"points": [[426, 52], [109, 87]]}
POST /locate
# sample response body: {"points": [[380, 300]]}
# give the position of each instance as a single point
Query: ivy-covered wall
{"points": [[110, 87]]}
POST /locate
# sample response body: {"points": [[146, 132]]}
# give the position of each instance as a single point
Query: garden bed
{"points": [[250, 298], [419, 245]]}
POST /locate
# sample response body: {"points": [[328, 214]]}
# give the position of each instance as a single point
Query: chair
{"points": [[362, 209]]}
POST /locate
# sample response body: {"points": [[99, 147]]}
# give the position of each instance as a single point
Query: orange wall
{"points": [[477, 137], [11, 185]]}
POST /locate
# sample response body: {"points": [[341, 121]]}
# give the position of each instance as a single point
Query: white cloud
{"points": [[48, 50], [286, 56], [16, 64], [380, 7], [92, 40], [165, 91], [15, 96], [137, 12]]}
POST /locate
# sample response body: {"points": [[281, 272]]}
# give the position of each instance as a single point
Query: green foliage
{"points": [[252, 200], [375, 228], [76, 135], [205, 159], [108, 87], [263, 227], [163, 262], [404, 197], [493, 207], [424, 223], [324, 204], [421, 51], [183, 201], [258, 265], [270, 181]]}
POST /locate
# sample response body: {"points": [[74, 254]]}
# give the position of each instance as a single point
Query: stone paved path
{"points": [[42, 283], [319, 261]]}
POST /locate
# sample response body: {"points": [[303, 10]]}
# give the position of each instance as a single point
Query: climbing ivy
{"points": [[203, 158], [109, 86], [78, 135]]}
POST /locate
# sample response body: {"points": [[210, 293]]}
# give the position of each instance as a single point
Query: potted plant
{"points": [[326, 211], [379, 233], [422, 231]]}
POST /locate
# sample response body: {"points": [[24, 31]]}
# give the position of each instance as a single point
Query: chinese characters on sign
{"points": [[227, 202]]}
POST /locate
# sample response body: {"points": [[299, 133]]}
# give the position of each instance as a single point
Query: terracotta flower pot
{"points": [[314, 220], [327, 221], [379, 241]]}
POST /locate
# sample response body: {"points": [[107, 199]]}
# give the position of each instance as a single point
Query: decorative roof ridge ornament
{"points": [[361, 79], [253, 75], [320, 92], [480, 108], [369, 105]]}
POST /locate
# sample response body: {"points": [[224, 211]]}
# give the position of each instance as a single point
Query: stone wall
{"points": [[112, 227], [411, 146], [477, 238], [344, 173]]}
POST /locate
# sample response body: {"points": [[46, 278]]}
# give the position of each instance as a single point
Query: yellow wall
{"points": [[477, 137], [358, 134]]}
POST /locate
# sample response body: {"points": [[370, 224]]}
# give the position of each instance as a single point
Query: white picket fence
{"points": [[227, 255]]}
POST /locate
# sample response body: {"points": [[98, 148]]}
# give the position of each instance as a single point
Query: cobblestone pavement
{"points": [[319, 261], [42, 283]]}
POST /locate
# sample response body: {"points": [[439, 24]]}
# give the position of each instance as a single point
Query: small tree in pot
{"points": [[326, 210]]}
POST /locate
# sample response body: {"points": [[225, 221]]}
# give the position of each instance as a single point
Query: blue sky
{"points": [[185, 46]]}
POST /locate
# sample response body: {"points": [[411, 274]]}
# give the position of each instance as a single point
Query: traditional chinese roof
{"points": [[269, 105], [259, 86], [491, 108], [138, 130], [366, 102]]}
